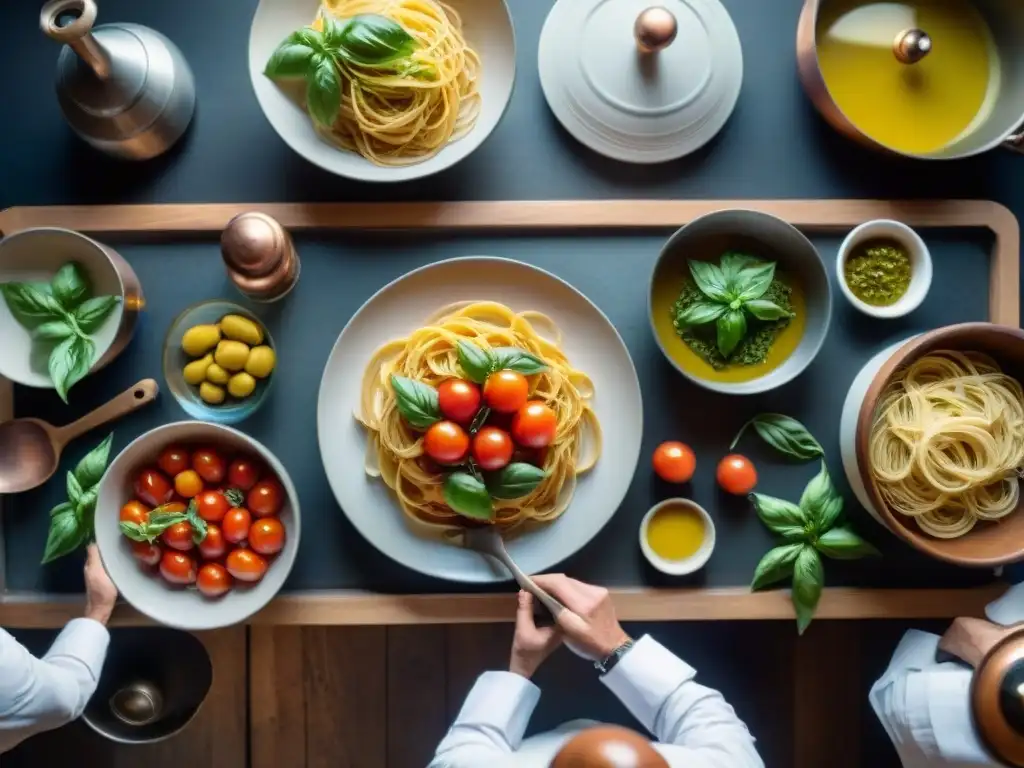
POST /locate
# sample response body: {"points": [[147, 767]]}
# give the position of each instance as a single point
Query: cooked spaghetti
{"points": [[395, 451], [947, 443], [396, 117]]}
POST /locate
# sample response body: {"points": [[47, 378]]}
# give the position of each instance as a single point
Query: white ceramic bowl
{"points": [[920, 266], [488, 30], [688, 565], [144, 589]]}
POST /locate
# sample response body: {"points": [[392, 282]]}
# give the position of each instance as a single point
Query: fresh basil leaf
{"points": [[289, 60], [91, 314], [70, 286], [323, 90], [765, 310], [64, 506], [53, 330], [417, 402], [477, 363], [371, 40], [844, 544], [467, 496], [310, 37], [786, 435], [92, 466], [817, 496], [30, 305], [479, 420], [69, 363], [808, 581], [731, 264], [775, 566], [198, 524], [518, 360], [150, 530], [65, 535], [753, 281], [829, 514], [780, 516], [515, 480], [333, 27], [710, 281], [731, 327], [701, 312], [74, 489]]}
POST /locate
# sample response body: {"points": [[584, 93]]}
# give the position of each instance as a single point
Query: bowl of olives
{"points": [[219, 361]]}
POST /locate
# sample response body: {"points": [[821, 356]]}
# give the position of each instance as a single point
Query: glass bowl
{"points": [[232, 410]]}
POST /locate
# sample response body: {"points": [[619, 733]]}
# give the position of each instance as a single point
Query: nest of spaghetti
{"points": [[479, 418]]}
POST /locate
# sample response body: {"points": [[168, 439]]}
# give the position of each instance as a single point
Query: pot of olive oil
{"points": [[930, 79]]}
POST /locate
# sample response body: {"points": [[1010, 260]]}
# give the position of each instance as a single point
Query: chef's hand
{"points": [[100, 592], [531, 644], [589, 622]]}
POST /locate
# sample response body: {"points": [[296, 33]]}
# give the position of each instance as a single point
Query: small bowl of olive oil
{"points": [[884, 269], [677, 537]]}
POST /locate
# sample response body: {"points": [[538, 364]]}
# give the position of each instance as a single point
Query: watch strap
{"points": [[607, 664]]}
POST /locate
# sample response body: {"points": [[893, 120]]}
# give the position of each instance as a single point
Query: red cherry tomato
{"points": [[188, 484], [134, 512], [267, 536], [179, 537], [446, 442], [213, 546], [459, 399], [265, 498], [736, 475], [534, 425], [209, 465], [236, 525], [146, 553], [246, 565], [153, 488], [243, 474], [178, 568], [213, 580], [506, 391], [173, 460], [492, 448], [674, 462], [213, 505]]}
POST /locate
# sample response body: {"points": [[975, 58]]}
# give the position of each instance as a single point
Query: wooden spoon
{"points": [[30, 449]]}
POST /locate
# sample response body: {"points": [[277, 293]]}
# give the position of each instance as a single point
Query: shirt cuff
{"points": [[645, 677], [85, 640], [503, 701]]}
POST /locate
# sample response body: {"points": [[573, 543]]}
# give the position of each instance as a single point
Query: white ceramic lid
{"points": [[636, 106]]}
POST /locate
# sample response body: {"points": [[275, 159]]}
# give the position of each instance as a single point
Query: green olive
{"points": [[195, 372], [241, 329], [211, 393], [217, 375], [241, 385], [261, 362], [199, 340], [231, 355]]}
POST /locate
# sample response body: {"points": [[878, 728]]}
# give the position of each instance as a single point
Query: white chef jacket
{"points": [[40, 694], [695, 725]]}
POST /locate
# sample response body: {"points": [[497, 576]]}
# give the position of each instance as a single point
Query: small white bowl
{"points": [[687, 565], [920, 266]]}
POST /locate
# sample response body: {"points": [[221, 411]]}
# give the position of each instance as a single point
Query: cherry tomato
{"points": [[265, 498], [179, 537], [146, 553], [243, 474], [459, 399], [446, 442], [134, 512], [492, 448], [534, 425], [236, 524], [178, 568], [188, 484], [674, 462], [213, 546], [246, 565], [736, 474], [213, 580], [213, 505], [174, 507], [267, 536], [173, 460], [209, 465], [153, 488], [506, 391]]}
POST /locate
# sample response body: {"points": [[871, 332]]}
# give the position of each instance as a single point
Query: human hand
{"points": [[100, 592], [589, 621], [531, 644]]}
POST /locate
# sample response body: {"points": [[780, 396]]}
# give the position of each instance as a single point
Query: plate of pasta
{"points": [[383, 90], [479, 391]]}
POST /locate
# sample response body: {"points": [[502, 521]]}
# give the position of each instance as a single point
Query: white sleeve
{"points": [[40, 694], [491, 722], [657, 687]]}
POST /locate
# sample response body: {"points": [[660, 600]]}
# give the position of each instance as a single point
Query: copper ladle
{"points": [[30, 448]]}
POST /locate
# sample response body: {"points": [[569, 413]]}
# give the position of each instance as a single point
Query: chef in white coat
{"points": [[693, 725], [41, 694]]}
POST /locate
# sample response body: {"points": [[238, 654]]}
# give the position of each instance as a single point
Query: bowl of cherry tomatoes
{"points": [[197, 525]]}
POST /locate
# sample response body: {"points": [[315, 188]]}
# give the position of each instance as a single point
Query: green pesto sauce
{"points": [[753, 350], [878, 272]]}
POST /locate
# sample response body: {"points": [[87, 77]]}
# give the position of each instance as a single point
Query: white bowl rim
{"points": [[688, 565]]}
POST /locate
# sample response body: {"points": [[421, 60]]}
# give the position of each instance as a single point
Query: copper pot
{"points": [[1003, 127]]}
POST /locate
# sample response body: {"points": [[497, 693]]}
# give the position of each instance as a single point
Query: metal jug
{"points": [[124, 88]]}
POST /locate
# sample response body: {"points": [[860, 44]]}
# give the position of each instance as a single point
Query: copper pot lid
{"points": [[641, 81]]}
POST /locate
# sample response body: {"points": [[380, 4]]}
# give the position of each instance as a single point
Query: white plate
{"points": [[488, 30], [592, 345]]}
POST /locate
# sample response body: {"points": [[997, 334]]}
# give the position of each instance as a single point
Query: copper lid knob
{"points": [[655, 29], [259, 256], [912, 45]]}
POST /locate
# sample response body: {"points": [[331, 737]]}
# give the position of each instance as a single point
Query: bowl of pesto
{"points": [[740, 301], [884, 269]]}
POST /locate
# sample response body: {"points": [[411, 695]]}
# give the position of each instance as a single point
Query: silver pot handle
{"points": [[1015, 141]]}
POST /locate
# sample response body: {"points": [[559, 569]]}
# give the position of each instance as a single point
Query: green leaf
{"points": [[70, 286], [731, 264], [417, 402], [518, 360], [372, 40], [780, 516], [198, 524], [732, 327], [150, 531], [829, 515], [74, 489], [754, 281], [844, 544], [64, 506], [701, 312], [467, 496], [515, 480], [291, 59], [30, 305], [323, 90], [65, 536], [710, 281], [477, 363], [53, 330], [763, 309], [808, 581], [92, 466], [786, 435], [818, 499], [70, 361], [235, 497], [776, 565], [91, 314]]}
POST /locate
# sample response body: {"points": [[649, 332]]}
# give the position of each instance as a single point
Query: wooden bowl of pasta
{"points": [[939, 443]]}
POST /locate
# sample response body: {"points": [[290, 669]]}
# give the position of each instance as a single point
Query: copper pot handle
{"points": [[971, 639]]}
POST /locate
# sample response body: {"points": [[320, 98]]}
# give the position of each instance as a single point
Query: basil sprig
{"points": [[478, 363], [732, 290], [785, 434], [72, 521], [417, 402], [63, 314]]}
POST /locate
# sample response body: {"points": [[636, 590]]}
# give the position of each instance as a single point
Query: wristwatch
{"points": [[607, 664]]}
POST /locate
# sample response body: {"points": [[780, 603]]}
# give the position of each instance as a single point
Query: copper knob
{"points": [[912, 45], [259, 256], [655, 29]]}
